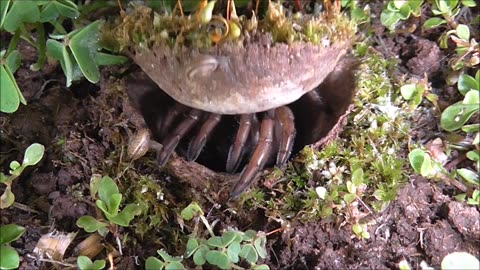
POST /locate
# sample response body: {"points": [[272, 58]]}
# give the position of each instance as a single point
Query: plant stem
{"points": [[207, 225], [42, 48], [14, 43]]}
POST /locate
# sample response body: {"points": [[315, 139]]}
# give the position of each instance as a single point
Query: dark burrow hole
{"points": [[313, 120]]}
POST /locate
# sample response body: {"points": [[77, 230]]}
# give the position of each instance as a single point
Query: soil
{"points": [[86, 127]]}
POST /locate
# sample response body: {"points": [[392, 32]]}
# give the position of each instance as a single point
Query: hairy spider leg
{"points": [[172, 114], [196, 145], [172, 140], [259, 157]]}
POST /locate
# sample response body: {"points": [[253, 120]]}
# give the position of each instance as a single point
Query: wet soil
{"points": [[86, 128]]}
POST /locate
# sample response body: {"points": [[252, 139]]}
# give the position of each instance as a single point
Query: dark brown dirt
{"points": [[83, 126]]}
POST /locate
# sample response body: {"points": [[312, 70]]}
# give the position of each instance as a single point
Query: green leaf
{"points": [[154, 263], [84, 263], [357, 177], [192, 210], [107, 189], [249, 235], [348, 198], [56, 8], [95, 184], [15, 165], [408, 91], [167, 258], [113, 203], [446, 6], [105, 59], [174, 266], [463, 32], [10, 99], [216, 241], [84, 46], [10, 233], [474, 155], [469, 3], [233, 251], [90, 224], [21, 12], [351, 187], [389, 19], [3, 11], [59, 52], [421, 162], [470, 176], [98, 264], [33, 154], [433, 22], [456, 115], [104, 207], [357, 228], [249, 253], [472, 97], [416, 7], [404, 12], [7, 198], [14, 60], [261, 267], [199, 256], [192, 246], [467, 83], [218, 258], [259, 244], [399, 3], [126, 215], [228, 237], [10, 258]]}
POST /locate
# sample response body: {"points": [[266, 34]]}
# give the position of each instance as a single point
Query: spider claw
{"points": [[172, 139], [237, 150], [259, 158], [196, 145], [170, 117], [285, 130]]}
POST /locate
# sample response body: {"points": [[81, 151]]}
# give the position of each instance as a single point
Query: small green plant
{"points": [[397, 10], [109, 200], [359, 14], [85, 263], [456, 115], [33, 155], [468, 51], [415, 92], [78, 52], [9, 258], [425, 165], [448, 9], [223, 251], [166, 262]]}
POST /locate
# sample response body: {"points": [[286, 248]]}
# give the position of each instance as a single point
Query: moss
{"points": [[146, 28]]}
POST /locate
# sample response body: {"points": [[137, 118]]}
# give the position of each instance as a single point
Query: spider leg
{"points": [[172, 139], [237, 150], [259, 157], [197, 144], [285, 132], [254, 130], [172, 114]]}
